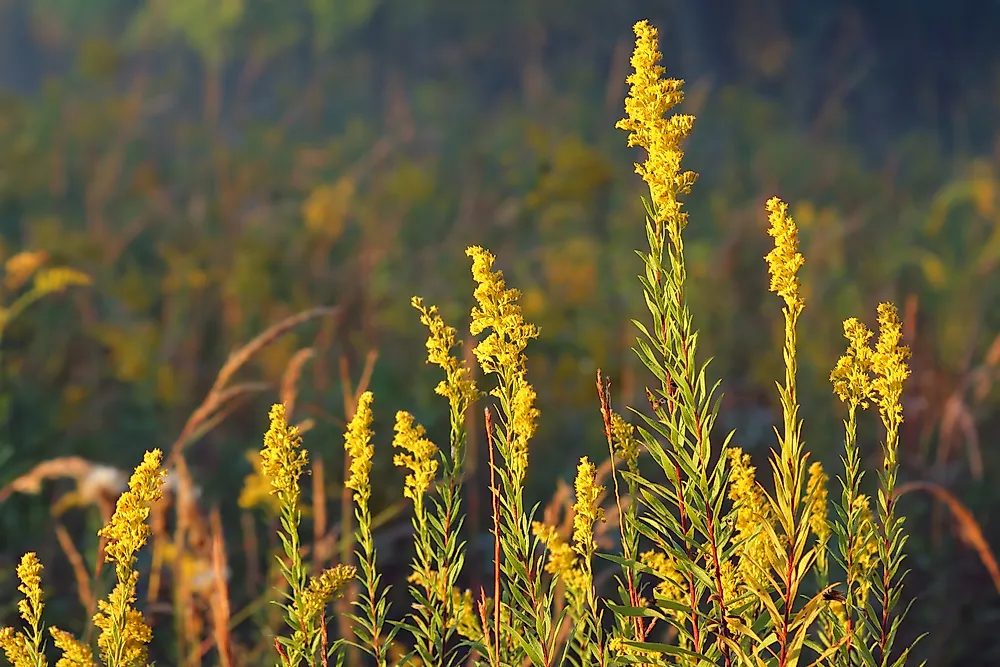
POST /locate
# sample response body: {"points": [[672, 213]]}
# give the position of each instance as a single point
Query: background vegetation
{"points": [[218, 166]]}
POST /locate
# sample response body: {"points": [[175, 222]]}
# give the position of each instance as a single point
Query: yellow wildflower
{"points": [[128, 531], [419, 459], [731, 582], [784, 261], [502, 353], [864, 548], [16, 647], [817, 494], [649, 98], [19, 268], [323, 588], [29, 572], [124, 631], [851, 377], [623, 437], [465, 619], [671, 585], [563, 562], [751, 512], [21, 649], [889, 364], [458, 387], [498, 310], [586, 510], [74, 652], [357, 443], [282, 457]]}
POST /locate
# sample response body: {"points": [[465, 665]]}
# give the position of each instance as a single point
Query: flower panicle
{"points": [[650, 98], [458, 386], [784, 260], [357, 443], [418, 456]]}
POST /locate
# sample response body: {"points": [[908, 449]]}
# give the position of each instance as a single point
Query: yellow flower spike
{"points": [[866, 548], [74, 652], [649, 98], [16, 648], [817, 493], [586, 511], [323, 588], [784, 261], [357, 443], [753, 509], [282, 457], [29, 572], [124, 632], [502, 353], [889, 364], [497, 309], [671, 584], [419, 458], [458, 387], [626, 446], [851, 377], [128, 531]]}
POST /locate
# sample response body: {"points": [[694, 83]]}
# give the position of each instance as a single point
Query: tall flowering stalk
{"points": [[283, 460], [532, 632], [26, 649], [440, 609], [683, 518], [124, 632], [373, 602]]}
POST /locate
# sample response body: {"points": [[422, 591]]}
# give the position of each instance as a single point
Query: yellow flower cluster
{"points": [[74, 652], [586, 510], [458, 386], [864, 548], [502, 351], [128, 531], [851, 376], [16, 648], [889, 364], [784, 260], [864, 374], [124, 632], [649, 99], [623, 437], [282, 458], [122, 641], [817, 494], [323, 588], [752, 511], [671, 585], [29, 571], [419, 458], [20, 649], [357, 443], [563, 562]]}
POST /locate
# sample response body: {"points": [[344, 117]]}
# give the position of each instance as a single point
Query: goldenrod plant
{"points": [[716, 566], [283, 461]]}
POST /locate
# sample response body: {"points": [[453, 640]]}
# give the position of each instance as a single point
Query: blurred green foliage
{"points": [[217, 165]]}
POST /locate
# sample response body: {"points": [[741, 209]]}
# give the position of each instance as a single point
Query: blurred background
{"points": [[218, 166]]}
